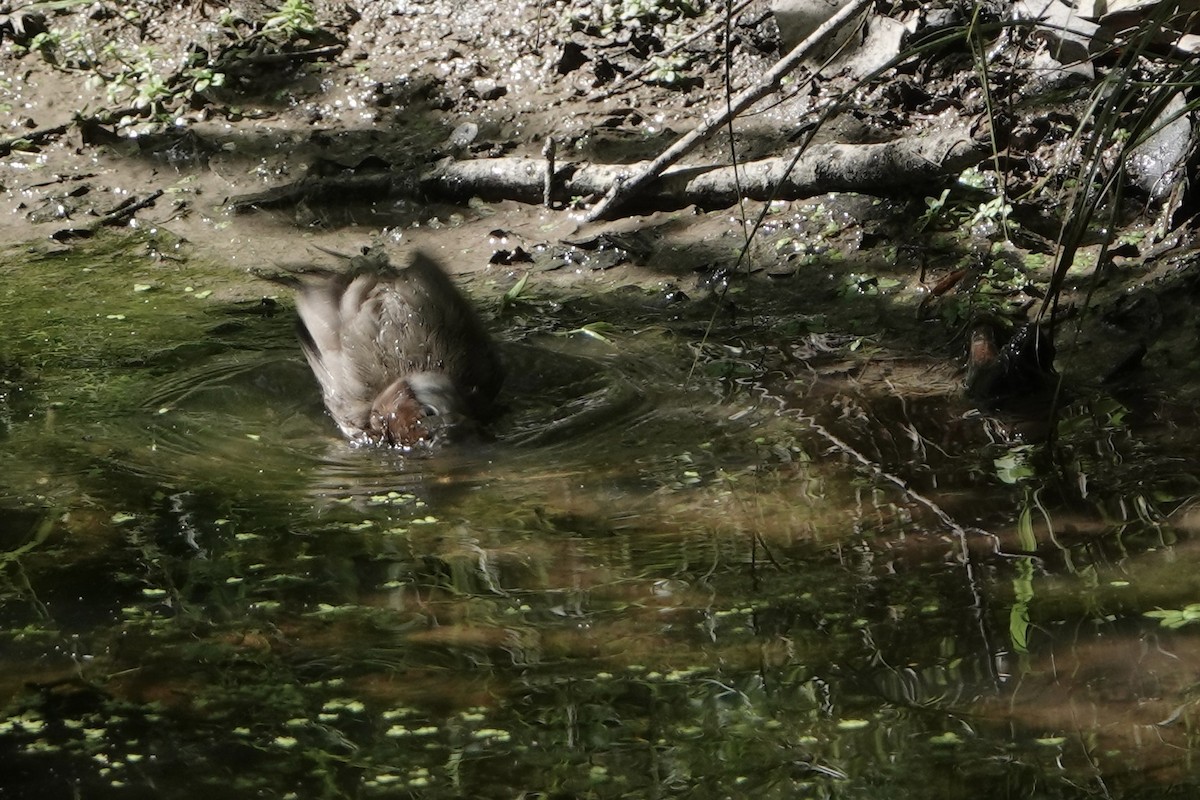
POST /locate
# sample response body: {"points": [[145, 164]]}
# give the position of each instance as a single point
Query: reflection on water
{"points": [[644, 585]]}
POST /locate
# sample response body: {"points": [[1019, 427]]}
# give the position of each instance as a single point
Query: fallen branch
{"points": [[867, 168], [914, 160]]}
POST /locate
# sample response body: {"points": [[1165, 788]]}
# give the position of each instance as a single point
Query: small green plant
{"points": [[935, 211], [994, 210], [668, 70], [856, 284], [201, 78], [513, 296], [47, 44], [147, 89], [150, 90], [291, 19], [609, 16], [648, 10]]}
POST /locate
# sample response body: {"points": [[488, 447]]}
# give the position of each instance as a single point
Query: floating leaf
{"points": [[1051, 741], [1013, 467], [1176, 618], [947, 738], [515, 291]]}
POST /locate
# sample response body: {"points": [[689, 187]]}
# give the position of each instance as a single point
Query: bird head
{"points": [[419, 409]]}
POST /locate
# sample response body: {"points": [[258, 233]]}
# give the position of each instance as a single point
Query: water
{"points": [[740, 565]]}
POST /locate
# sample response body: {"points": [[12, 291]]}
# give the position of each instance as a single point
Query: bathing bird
{"points": [[402, 358]]}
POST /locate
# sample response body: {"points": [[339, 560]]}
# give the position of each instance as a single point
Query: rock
{"points": [[1157, 165], [797, 19]]}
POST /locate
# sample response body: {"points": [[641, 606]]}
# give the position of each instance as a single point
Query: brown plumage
{"points": [[401, 356]]}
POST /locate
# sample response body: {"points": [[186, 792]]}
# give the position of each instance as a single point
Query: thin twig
{"points": [[115, 217], [621, 191], [548, 150], [617, 86], [128, 209]]}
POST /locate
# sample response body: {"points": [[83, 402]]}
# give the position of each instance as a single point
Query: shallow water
{"points": [[740, 565]]}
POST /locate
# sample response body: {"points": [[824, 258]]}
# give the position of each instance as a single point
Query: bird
{"points": [[1000, 372], [402, 358]]}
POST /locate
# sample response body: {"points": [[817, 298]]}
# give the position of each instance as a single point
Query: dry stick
{"points": [[33, 137], [127, 209], [267, 59], [616, 88], [621, 190], [115, 217], [548, 175]]}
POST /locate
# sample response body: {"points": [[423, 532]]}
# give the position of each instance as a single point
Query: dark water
{"points": [[750, 565]]}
